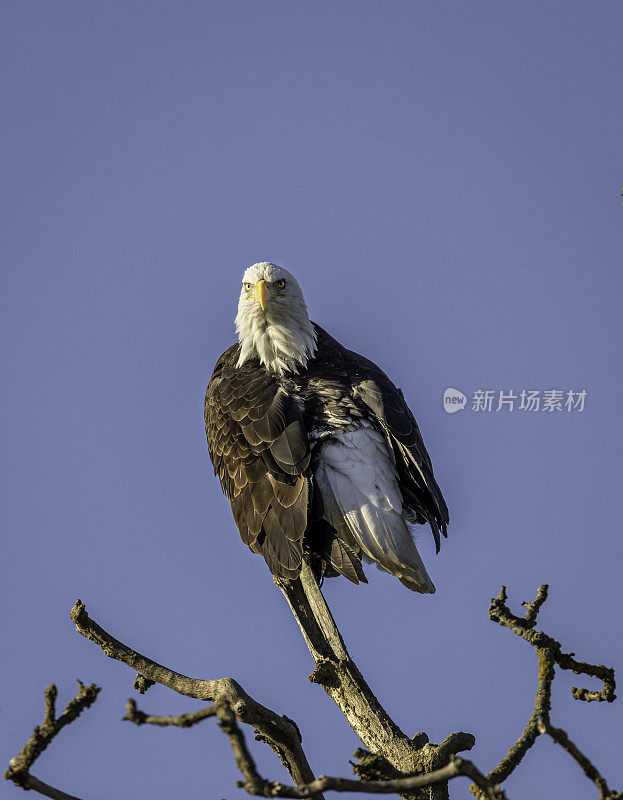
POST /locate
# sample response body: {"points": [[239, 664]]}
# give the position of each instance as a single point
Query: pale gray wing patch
{"points": [[363, 496]]}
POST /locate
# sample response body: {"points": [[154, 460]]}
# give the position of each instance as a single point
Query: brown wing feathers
{"points": [[260, 453]]}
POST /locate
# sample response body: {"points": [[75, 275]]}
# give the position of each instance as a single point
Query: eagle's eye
{"points": [[281, 284], [247, 286]]}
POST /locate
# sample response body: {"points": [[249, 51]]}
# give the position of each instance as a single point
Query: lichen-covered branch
{"points": [[280, 732], [523, 626], [254, 784], [19, 766], [549, 653], [339, 676]]}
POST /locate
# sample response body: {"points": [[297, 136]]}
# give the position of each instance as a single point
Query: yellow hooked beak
{"points": [[261, 290]]}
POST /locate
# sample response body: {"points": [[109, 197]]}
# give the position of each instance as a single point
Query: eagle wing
{"points": [[260, 451], [415, 471]]}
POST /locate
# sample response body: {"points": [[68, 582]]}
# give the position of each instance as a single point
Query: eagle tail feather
{"points": [[343, 559], [381, 533]]}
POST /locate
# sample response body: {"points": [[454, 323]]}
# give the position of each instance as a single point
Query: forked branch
{"points": [[280, 732], [19, 766], [254, 784], [339, 676], [549, 653]]}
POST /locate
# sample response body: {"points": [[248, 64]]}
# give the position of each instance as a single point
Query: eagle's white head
{"points": [[272, 321]]}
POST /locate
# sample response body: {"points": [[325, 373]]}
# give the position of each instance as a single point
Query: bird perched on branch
{"points": [[315, 448]]}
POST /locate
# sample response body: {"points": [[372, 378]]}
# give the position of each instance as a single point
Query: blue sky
{"points": [[443, 179]]}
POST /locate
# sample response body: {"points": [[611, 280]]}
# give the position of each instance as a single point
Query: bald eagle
{"points": [[315, 448]]}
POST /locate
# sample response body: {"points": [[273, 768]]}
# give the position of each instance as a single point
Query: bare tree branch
{"points": [[339, 676], [19, 765], [499, 612], [456, 768], [591, 772], [30, 782], [183, 721], [432, 766], [254, 784], [549, 654], [279, 732]]}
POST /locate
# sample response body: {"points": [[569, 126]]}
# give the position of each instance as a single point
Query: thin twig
{"points": [[30, 782], [589, 769], [533, 608], [19, 765], [182, 721], [456, 768], [253, 782]]}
